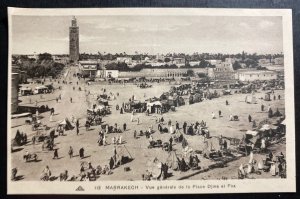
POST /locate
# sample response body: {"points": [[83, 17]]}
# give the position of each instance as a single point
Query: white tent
{"points": [[251, 99]]}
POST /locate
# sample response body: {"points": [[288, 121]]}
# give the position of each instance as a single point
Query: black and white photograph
{"points": [[150, 101]]}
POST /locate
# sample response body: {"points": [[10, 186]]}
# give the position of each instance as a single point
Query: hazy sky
{"points": [[150, 34]]}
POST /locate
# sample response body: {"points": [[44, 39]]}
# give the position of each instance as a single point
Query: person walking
{"points": [[55, 154]]}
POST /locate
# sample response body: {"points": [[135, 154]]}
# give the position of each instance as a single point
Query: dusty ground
{"points": [[99, 155]]}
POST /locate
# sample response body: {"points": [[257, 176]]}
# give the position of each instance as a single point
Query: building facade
{"points": [[74, 41], [223, 72], [257, 75], [88, 68], [279, 61]]}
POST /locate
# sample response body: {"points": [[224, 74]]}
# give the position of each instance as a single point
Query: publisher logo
{"points": [[80, 188]]}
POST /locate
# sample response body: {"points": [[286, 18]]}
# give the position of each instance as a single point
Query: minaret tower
{"points": [[74, 41]]}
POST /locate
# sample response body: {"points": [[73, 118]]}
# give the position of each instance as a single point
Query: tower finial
{"points": [[74, 21]]}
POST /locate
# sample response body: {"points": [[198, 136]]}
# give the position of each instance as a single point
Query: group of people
{"points": [[275, 165]]}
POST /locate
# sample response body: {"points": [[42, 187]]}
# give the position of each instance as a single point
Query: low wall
{"points": [[149, 72]]}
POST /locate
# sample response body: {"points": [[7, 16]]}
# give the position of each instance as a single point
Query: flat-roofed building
{"points": [[257, 75], [88, 68]]}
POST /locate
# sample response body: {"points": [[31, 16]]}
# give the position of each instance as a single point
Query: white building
{"points": [[88, 68], [126, 60], [257, 75], [264, 62], [223, 71], [111, 73], [179, 62], [194, 63], [230, 60], [214, 61], [279, 61]]}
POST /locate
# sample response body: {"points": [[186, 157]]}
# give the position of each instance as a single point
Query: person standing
{"points": [[170, 144], [135, 134], [71, 99], [249, 118], [77, 130], [124, 127], [51, 117], [81, 153], [120, 140], [177, 125], [70, 152], [104, 140], [213, 116], [262, 107], [220, 113], [131, 119], [33, 140], [184, 127], [171, 129]]}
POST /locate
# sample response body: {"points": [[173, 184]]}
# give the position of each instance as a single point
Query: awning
{"points": [[25, 89], [41, 87], [157, 103], [253, 133]]}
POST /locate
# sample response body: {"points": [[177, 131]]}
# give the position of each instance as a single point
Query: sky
{"points": [[149, 34]]}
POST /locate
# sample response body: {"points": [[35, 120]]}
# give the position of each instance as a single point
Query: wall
{"points": [[157, 72]]}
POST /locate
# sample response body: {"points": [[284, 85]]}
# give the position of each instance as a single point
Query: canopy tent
{"points": [[267, 127], [25, 89], [66, 123], [41, 87], [250, 99], [156, 103], [152, 105], [103, 101], [97, 108], [173, 161], [154, 167]]}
